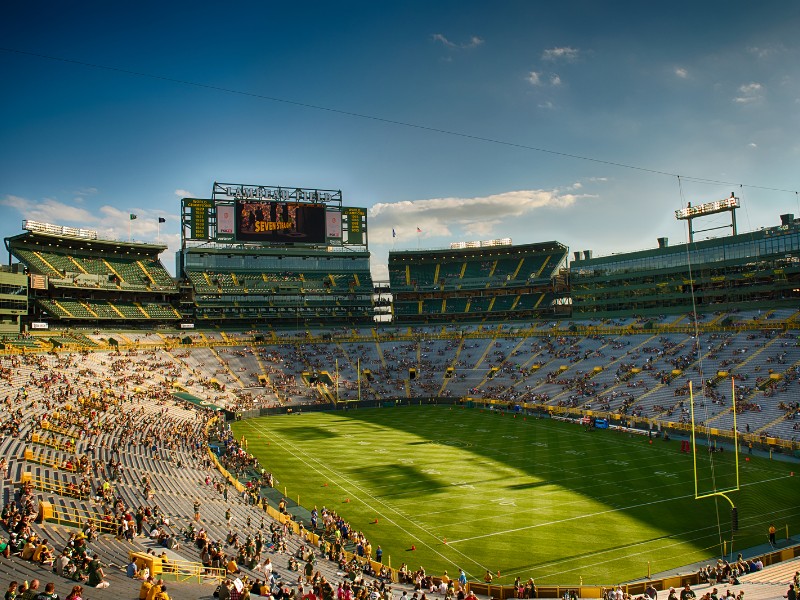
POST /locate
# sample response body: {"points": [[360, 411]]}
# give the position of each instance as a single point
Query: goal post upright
{"points": [[723, 492]]}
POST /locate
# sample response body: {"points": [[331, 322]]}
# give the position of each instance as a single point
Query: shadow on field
{"points": [[314, 432], [399, 479], [639, 493]]}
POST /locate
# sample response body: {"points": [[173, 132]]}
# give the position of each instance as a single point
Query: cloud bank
{"points": [[481, 217]]}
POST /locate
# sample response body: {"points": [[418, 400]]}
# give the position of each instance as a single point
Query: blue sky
{"points": [[707, 90]]}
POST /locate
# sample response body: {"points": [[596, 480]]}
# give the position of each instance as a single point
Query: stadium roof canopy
{"points": [[38, 238], [505, 250]]}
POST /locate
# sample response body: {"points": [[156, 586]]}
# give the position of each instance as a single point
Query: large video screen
{"points": [[280, 222]]}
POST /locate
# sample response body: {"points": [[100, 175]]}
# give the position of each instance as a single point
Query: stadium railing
{"points": [[635, 589], [176, 570], [52, 442], [48, 426], [49, 461], [45, 484], [74, 517]]}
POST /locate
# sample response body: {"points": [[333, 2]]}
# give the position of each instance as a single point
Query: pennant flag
{"points": [[393, 233], [162, 220], [419, 230], [133, 216]]}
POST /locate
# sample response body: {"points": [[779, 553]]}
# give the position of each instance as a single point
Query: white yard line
{"points": [[323, 469], [594, 514]]}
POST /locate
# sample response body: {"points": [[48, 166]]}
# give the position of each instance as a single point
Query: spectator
{"points": [[162, 593], [31, 592], [49, 593], [11, 592], [132, 570], [96, 576], [76, 593], [146, 586]]}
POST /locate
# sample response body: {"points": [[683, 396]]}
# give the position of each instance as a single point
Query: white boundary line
{"points": [[598, 513], [375, 500]]}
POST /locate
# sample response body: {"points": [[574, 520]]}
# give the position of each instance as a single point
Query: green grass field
{"points": [[523, 496]]}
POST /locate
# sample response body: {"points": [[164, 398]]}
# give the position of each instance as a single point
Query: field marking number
{"points": [[503, 502], [665, 474], [464, 485]]}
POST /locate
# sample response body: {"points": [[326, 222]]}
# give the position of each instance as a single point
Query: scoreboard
{"points": [[356, 219], [287, 222], [198, 217], [273, 216]]}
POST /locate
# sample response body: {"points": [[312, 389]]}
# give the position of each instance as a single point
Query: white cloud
{"points": [[566, 53], [546, 105], [759, 52], [539, 79], [181, 193], [681, 72], [752, 145], [750, 88], [462, 217], [749, 93], [49, 210], [438, 37], [86, 191], [765, 51], [473, 42], [109, 222]]}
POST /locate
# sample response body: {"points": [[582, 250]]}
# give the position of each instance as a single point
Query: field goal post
{"points": [[723, 492]]}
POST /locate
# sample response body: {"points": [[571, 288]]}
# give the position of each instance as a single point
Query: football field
{"points": [[522, 496]]}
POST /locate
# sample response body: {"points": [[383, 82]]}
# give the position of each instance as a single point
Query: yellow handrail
{"points": [[68, 446], [54, 487], [42, 459], [75, 518], [47, 425], [181, 570]]}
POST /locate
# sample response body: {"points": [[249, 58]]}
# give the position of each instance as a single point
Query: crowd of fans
{"points": [[120, 404]]}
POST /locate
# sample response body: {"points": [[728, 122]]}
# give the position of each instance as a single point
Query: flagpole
{"points": [[130, 223], [158, 234]]}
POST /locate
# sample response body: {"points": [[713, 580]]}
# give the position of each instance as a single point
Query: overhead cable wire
{"points": [[388, 121]]}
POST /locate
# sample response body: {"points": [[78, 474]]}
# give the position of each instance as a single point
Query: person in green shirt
{"points": [[49, 593], [96, 575], [11, 592]]}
